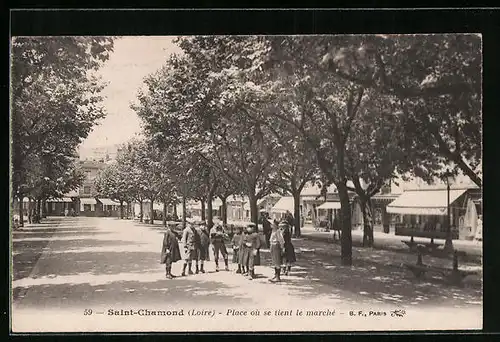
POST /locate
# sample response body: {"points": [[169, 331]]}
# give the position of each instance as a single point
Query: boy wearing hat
{"points": [[251, 246], [169, 252], [277, 248], [191, 243], [290, 257], [203, 249], [217, 239]]}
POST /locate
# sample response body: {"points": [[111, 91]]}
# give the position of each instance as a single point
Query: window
{"points": [[86, 190], [88, 175]]}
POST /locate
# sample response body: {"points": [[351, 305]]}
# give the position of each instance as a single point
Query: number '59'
{"points": [[87, 312]]}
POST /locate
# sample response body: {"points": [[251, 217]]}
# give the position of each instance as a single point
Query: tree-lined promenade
{"points": [[56, 102], [256, 115]]}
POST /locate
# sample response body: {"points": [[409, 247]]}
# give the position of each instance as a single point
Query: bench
{"points": [[429, 246], [453, 276]]}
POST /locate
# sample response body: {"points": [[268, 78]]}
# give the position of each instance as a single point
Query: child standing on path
{"points": [[236, 243], [289, 248], [250, 249], [170, 252], [217, 236], [277, 244]]}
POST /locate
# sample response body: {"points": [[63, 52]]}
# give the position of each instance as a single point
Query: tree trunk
{"points": [[224, 210], [30, 211], [165, 205], [44, 208], [121, 210], [210, 218], [35, 210], [367, 221], [141, 211], [183, 211], [296, 212], [345, 218], [21, 212], [254, 214], [39, 210], [152, 211], [202, 209]]}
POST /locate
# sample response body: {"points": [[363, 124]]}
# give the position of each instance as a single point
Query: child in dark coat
{"points": [[203, 251], [170, 252], [250, 249], [290, 257], [277, 247]]}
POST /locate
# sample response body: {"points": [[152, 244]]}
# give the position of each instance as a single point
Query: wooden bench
{"points": [[453, 276], [428, 246]]}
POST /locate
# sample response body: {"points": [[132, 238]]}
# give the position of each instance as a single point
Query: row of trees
{"points": [[55, 102], [254, 115]]}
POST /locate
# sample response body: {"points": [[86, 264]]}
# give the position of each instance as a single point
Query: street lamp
{"points": [[448, 246]]}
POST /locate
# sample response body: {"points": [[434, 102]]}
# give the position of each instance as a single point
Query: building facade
{"points": [[423, 212]]}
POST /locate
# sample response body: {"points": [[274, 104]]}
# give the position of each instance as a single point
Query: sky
{"points": [[133, 59]]}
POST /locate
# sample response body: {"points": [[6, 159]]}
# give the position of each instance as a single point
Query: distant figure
{"points": [[336, 228], [266, 228], [66, 211], [290, 220], [170, 252]]}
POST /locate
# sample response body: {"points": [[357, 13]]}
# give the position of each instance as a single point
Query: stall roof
{"points": [[59, 200], [285, 203], [88, 201], [424, 202], [216, 203], [330, 205], [107, 201]]}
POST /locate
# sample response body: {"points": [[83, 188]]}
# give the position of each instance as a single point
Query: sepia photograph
{"points": [[271, 183]]}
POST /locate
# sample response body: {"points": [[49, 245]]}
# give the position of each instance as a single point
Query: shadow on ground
{"points": [[370, 280], [399, 249], [119, 294], [48, 235], [72, 263]]}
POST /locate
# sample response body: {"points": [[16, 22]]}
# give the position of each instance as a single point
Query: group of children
{"points": [[246, 246], [246, 250]]}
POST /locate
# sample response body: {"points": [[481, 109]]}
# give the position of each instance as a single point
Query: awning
{"points": [[59, 200], [107, 201], [216, 203], [284, 204], [424, 202], [88, 201], [330, 205], [312, 198]]}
